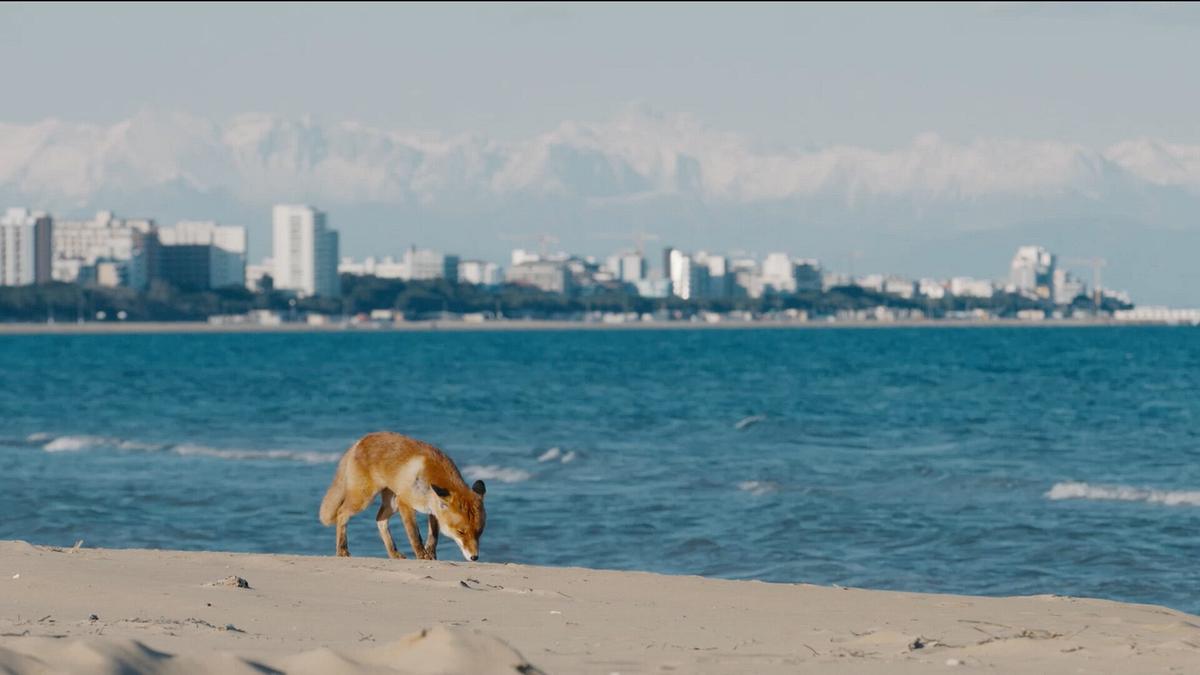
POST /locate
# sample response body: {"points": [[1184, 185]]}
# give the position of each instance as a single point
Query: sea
{"points": [[989, 461]]}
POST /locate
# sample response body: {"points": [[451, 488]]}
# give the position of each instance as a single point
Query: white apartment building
{"points": [[521, 256], [305, 251], [778, 273], [931, 288], [681, 272], [256, 273], [1032, 271], [128, 243], [746, 277], [226, 250], [479, 272], [631, 267], [967, 287], [25, 247], [425, 264], [898, 286], [871, 282], [548, 275]]}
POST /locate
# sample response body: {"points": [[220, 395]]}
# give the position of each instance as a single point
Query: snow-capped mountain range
{"points": [[932, 206]]}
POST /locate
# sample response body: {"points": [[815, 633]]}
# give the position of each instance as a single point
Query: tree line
{"points": [[417, 300]]}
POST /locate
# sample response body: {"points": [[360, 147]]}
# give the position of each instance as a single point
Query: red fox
{"points": [[413, 476]]}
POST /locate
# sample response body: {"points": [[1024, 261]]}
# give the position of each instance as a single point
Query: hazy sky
{"points": [[864, 75]]}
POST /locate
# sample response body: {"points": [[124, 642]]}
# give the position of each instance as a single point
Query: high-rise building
{"points": [[305, 251], [25, 248], [679, 266], [1032, 271], [202, 255]]}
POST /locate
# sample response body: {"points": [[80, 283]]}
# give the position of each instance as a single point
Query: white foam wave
{"points": [[39, 437], [503, 474], [749, 421], [1123, 493], [137, 445], [758, 487], [306, 456], [556, 453], [83, 442], [76, 443]]}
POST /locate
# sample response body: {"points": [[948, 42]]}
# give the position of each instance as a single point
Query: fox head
{"points": [[461, 517]]}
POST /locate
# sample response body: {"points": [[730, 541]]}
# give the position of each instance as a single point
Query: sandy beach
{"points": [[96, 610]]}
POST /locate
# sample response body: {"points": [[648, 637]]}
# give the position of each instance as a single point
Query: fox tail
{"points": [[334, 496]]}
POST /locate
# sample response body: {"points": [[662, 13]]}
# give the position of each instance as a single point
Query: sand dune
{"points": [[96, 610]]}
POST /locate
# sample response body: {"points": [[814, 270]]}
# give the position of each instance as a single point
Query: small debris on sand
{"points": [[231, 581]]}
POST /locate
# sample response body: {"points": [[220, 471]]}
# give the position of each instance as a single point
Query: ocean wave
{"points": [[750, 421], [555, 453], [76, 443], [503, 474], [1123, 493], [758, 487], [306, 456]]}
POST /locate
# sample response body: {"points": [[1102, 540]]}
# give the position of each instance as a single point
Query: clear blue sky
{"points": [[865, 75]]}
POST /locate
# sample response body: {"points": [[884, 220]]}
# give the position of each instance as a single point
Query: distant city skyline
{"points": [[909, 140]]}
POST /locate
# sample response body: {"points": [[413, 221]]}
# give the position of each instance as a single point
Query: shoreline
{"points": [[137, 327], [325, 614]]}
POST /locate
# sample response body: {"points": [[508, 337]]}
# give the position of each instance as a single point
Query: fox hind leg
{"points": [[352, 504], [386, 509]]}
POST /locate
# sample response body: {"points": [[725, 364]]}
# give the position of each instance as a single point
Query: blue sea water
{"points": [[966, 460]]}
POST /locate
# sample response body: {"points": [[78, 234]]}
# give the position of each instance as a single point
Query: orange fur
{"points": [[414, 477]]}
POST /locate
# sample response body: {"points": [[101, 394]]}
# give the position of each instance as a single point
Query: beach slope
{"points": [[97, 610]]}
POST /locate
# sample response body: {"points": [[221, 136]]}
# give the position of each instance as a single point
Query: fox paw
{"points": [[343, 553], [427, 555]]}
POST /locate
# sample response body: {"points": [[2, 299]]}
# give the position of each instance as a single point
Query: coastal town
{"points": [[109, 268]]}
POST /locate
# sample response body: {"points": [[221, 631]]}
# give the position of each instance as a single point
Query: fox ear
{"points": [[440, 491], [479, 488]]}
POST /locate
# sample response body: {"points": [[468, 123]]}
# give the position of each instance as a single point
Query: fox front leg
{"points": [[414, 533], [431, 540]]}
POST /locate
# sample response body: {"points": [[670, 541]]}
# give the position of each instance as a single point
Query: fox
{"points": [[413, 476]]}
